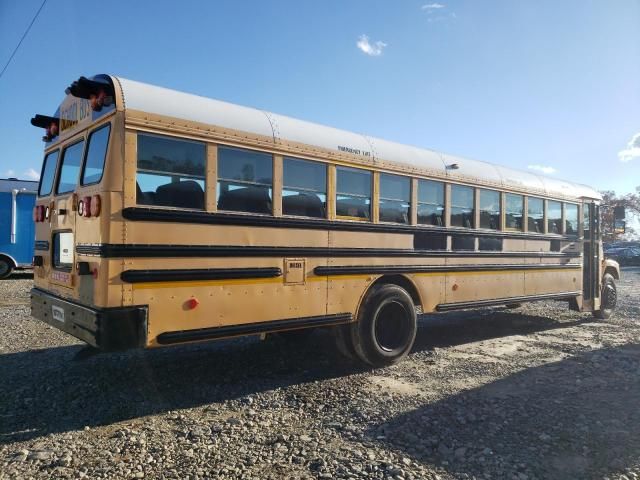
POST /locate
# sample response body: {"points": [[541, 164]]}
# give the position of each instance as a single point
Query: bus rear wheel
{"points": [[386, 326], [608, 297], [5, 268]]}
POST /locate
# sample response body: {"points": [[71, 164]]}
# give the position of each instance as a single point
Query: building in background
{"points": [[17, 229]]}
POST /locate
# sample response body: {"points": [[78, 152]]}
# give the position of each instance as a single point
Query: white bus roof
{"points": [[172, 103]]}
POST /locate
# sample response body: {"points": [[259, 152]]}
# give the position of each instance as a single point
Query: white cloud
{"points": [[371, 49], [542, 168], [10, 173], [32, 174], [632, 151], [432, 6]]}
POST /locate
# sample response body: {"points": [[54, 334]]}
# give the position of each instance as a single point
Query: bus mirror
{"points": [[618, 212]]}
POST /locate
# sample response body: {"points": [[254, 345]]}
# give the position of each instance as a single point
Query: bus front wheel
{"points": [[386, 326], [608, 297], [5, 268]]}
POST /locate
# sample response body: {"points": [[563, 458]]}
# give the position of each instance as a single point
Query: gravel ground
{"points": [[536, 392]]}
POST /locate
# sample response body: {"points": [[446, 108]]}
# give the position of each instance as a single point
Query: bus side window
{"points": [[489, 209], [554, 216], [395, 198], [462, 206], [353, 193], [571, 218], [171, 172], [514, 209], [535, 215], [430, 203], [304, 190], [245, 180]]}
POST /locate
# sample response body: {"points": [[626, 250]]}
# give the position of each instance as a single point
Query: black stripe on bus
{"points": [[216, 218], [186, 274], [446, 307], [252, 328], [397, 269], [115, 250]]}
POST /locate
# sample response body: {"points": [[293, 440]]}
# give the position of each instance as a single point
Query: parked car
{"points": [[626, 256]]}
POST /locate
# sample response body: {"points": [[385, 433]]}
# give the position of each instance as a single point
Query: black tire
{"points": [[608, 297], [386, 326], [6, 267]]}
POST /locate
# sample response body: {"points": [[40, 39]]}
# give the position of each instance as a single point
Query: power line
{"points": [[23, 37]]}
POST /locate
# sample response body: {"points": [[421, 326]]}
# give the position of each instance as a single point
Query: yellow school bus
{"points": [[166, 218]]}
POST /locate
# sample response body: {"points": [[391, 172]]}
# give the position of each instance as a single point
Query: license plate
{"points": [[57, 313]]}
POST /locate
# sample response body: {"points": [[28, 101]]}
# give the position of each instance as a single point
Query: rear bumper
{"points": [[108, 329]]}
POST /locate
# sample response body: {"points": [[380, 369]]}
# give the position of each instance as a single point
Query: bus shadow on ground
{"points": [[457, 328], [575, 418], [46, 391]]}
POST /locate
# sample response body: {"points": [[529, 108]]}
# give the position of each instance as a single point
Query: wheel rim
{"points": [[610, 296], [391, 327]]}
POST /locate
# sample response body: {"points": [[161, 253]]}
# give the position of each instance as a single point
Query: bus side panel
{"points": [[540, 281], [469, 286], [229, 302]]}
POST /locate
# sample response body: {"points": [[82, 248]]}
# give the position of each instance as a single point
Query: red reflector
{"points": [[35, 214], [191, 303]]}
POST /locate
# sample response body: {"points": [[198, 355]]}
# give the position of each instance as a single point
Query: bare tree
{"points": [[631, 203]]}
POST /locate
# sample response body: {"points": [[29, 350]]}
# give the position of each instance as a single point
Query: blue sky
{"points": [[525, 83]]}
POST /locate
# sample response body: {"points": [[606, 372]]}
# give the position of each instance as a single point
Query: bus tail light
{"points": [[84, 207], [38, 213], [95, 206]]}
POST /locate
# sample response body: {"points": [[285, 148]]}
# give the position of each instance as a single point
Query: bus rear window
{"points": [[96, 153], [48, 172], [70, 168]]}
